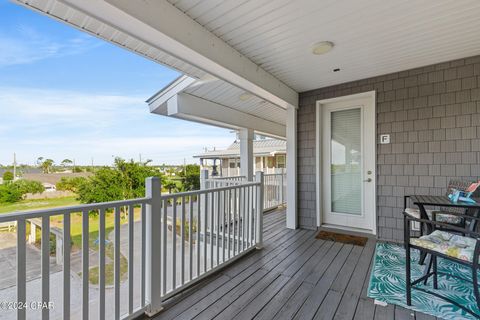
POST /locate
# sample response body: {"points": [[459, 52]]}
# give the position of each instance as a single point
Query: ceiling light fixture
{"points": [[245, 96], [322, 47]]}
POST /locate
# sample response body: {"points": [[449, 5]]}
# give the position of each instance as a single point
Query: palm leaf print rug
{"points": [[387, 284]]}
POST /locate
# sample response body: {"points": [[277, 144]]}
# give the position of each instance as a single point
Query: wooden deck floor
{"points": [[294, 277]]}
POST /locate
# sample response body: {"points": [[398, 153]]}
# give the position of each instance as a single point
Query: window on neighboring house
{"points": [[270, 163], [280, 161]]}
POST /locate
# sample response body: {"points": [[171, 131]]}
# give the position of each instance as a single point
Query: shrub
{"points": [[14, 191], [8, 176], [70, 184]]}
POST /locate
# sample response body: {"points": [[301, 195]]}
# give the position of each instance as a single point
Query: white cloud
{"points": [[30, 46], [66, 124]]}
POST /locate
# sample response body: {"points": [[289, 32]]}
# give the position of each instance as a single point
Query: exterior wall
{"points": [[433, 117]]}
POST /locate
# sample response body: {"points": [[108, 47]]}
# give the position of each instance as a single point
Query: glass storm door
{"points": [[348, 159]]}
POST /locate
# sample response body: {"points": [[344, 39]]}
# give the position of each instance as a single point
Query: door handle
{"points": [[368, 180]]}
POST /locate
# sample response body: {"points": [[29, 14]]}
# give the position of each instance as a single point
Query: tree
{"points": [[170, 185], [8, 176], [191, 177], [45, 164], [126, 180], [66, 162]]}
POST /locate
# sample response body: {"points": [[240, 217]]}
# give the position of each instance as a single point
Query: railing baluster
{"points": [[245, 208], [190, 238], [229, 220], [164, 247], [45, 265], [235, 224], [21, 268], [212, 231], [182, 250], [199, 229], [143, 248], [248, 216], [205, 222], [224, 204], [217, 233], [66, 266], [239, 222], [85, 264], [131, 216], [174, 243], [101, 264], [116, 260]]}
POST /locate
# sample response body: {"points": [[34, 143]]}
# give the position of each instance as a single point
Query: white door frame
{"points": [[318, 157]]}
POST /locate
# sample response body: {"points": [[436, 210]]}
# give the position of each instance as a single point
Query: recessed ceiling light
{"points": [[322, 47], [245, 96]]}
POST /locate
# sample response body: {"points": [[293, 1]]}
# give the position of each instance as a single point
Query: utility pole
{"points": [[73, 171], [14, 166], [92, 166], [140, 157]]}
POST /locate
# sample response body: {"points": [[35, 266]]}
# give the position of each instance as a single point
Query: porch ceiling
{"points": [[372, 37]]}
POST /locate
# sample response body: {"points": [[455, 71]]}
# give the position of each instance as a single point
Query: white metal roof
{"points": [[265, 147]]}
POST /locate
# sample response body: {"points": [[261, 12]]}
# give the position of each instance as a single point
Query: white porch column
{"points": [[292, 218], [246, 153]]}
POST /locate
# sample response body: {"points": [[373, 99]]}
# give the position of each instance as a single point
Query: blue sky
{"points": [[65, 94]]}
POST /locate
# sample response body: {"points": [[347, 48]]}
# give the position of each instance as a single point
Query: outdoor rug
{"points": [[387, 284], [343, 238]]}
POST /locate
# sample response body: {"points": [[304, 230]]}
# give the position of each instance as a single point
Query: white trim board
{"points": [[318, 159]]}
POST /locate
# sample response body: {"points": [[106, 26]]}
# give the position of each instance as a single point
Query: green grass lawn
{"points": [[26, 205]]}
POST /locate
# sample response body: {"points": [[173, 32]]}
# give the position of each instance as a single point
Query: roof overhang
{"points": [[188, 107]]}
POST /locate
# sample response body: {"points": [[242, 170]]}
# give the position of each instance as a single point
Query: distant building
{"points": [[269, 156]]}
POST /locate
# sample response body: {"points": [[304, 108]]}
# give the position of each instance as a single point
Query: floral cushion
{"points": [[450, 244], [440, 217]]}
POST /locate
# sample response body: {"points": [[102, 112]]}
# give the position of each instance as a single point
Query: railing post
{"points": [[281, 187], [203, 179], [259, 211], [153, 189]]}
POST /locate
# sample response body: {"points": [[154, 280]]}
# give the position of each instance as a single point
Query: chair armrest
{"points": [[442, 224]]}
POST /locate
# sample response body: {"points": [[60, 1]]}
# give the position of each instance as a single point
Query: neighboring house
{"points": [[269, 156]]}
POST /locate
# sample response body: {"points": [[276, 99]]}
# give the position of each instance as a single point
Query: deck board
{"points": [[295, 276]]}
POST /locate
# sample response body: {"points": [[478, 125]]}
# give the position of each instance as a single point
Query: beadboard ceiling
{"points": [[372, 37]]}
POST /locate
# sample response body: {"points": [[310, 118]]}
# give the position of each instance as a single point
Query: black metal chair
{"points": [[434, 244]]}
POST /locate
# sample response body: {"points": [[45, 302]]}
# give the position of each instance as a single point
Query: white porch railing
{"points": [[274, 190], [274, 187], [177, 240]]}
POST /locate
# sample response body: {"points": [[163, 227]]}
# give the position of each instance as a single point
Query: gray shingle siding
{"points": [[433, 117]]}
